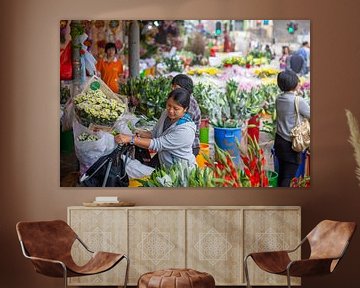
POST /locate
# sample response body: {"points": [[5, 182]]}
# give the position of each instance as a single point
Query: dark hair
{"points": [[305, 43], [181, 96], [183, 81], [109, 46], [287, 80], [286, 47]]}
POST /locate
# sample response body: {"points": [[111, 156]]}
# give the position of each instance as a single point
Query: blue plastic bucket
{"points": [[226, 139], [301, 169]]}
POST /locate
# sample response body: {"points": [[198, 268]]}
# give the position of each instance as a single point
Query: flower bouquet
{"points": [[254, 163], [225, 172], [300, 182], [98, 105], [179, 175]]}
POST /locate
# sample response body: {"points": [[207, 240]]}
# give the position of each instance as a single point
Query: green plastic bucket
{"points": [[66, 141], [204, 135], [204, 131], [273, 178]]}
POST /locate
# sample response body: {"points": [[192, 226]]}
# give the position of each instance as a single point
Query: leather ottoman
{"points": [[176, 278]]}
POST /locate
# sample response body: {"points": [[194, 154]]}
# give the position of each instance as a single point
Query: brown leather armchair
{"points": [[48, 245], [328, 242]]}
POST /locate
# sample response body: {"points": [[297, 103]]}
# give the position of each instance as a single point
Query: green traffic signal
{"points": [[218, 28]]}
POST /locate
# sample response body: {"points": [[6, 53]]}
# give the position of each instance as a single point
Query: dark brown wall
{"points": [[29, 112]]}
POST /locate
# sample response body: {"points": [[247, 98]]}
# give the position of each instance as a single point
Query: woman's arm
{"points": [[138, 141], [304, 108]]}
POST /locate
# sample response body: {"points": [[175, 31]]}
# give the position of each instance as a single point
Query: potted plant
{"points": [[239, 106], [207, 98]]}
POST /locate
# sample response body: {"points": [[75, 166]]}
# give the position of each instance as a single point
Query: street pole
{"points": [[76, 62], [134, 49]]}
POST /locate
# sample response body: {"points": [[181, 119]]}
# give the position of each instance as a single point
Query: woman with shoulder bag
{"points": [[286, 120]]}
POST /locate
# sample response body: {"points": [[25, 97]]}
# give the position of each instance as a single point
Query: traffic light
{"points": [[292, 27], [218, 28]]}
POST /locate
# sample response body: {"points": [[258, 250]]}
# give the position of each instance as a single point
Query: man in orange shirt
{"points": [[110, 67]]}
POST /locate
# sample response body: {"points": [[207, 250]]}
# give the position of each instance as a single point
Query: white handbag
{"points": [[300, 134]]}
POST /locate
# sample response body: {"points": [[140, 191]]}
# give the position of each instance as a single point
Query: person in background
{"points": [[227, 42], [284, 56], [172, 136], [296, 63], [110, 68], [300, 60], [304, 52], [269, 54], [289, 159], [184, 81]]}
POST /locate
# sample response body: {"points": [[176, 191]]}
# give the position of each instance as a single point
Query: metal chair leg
{"points": [[65, 275], [288, 278], [246, 272], [127, 271]]}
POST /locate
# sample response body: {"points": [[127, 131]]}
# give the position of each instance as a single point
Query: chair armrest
{"points": [[309, 267], [283, 251], [83, 244], [49, 267], [47, 260], [298, 246]]}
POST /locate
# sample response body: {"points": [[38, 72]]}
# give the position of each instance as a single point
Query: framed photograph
{"points": [[185, 103]]}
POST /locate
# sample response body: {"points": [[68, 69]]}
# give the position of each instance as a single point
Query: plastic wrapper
{"points": [[88, 152], [136, 170], [126, 124], [68, 116], [66, 71], [145, 124]]}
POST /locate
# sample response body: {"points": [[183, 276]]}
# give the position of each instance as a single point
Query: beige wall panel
{"points": [[156, 240], [101, 230], [271, 229], [214, 244]]}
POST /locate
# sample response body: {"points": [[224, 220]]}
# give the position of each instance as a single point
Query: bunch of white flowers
{"points": [[86, 137], [94, 107]]}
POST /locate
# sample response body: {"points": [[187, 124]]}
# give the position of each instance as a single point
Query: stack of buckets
{"points": [[204, 143], [200, 159]]}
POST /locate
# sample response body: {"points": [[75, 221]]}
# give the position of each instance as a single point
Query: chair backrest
{"points": [[46, 239], [329, 239]]}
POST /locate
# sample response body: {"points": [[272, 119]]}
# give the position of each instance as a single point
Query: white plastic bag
{"points": [[135, 169], [126, 124], [68, 115], [89, 152]]}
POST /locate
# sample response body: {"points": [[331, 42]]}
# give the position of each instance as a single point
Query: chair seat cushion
{"points": [[176, 278], [99, 262], [272, 262]]}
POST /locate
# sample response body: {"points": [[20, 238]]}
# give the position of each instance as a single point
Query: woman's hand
{"points": [[123, 139], [143, 134]]}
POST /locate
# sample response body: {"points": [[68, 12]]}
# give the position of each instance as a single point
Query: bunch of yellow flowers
{"points": [[208, 70], [266, 72]]}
